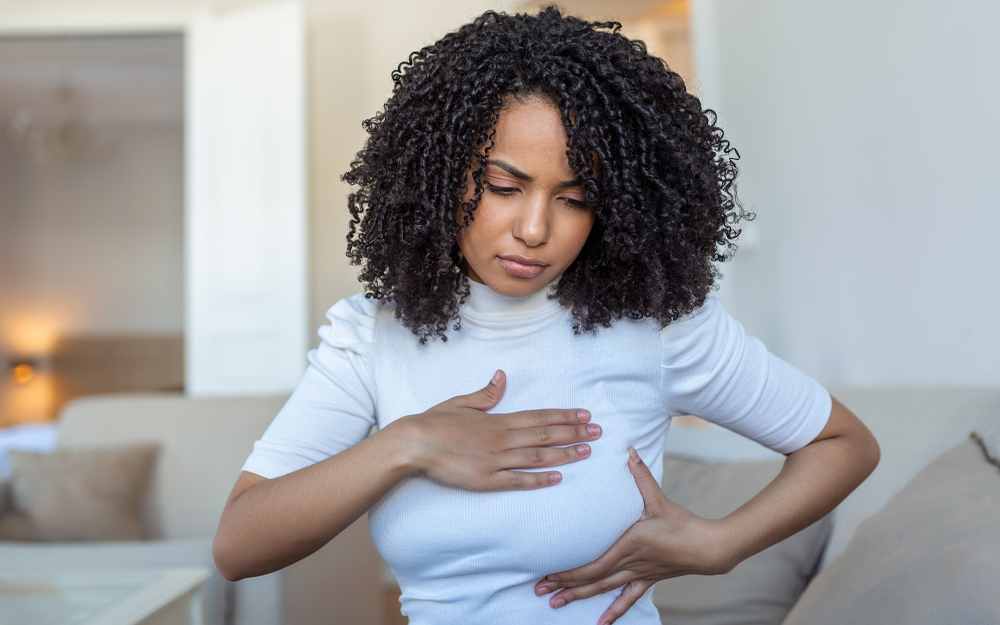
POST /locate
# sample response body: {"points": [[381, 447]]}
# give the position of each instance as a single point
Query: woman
{"points": [[539, 204]]}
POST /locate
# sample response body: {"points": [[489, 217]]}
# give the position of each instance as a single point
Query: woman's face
{"points": [[531, 222]]}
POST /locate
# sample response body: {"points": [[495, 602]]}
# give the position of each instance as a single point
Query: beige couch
{"points": [[913, 427], [902, 565], [203, 445]]}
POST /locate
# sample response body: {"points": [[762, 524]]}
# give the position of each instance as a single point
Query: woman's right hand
{"points": [[458, 444]]}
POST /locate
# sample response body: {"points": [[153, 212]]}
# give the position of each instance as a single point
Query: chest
{"points": [[428, 531], [615, 373]]}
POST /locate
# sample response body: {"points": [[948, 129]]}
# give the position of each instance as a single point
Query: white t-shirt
{"points": [[463, 557]]}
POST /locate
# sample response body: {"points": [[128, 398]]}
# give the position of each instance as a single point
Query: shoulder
{"points": [[352, 321], [707, 337], [704, 321]]}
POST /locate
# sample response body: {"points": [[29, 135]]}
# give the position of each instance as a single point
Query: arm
{"points": [[669, 540], [812, 482], [269, 524]]}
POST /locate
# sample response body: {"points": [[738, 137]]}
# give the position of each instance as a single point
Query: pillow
{"points": [[761, 589], [78, 494], [988, 438], [928, 557]]}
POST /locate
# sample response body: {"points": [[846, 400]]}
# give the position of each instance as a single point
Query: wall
{"points": [[867, 133], [90, 247]]}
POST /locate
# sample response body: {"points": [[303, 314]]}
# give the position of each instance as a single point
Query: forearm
{"points": [[277, 522], [812, 482]]}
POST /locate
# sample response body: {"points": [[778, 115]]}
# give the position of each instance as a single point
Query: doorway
{"points": [[91, 218]]}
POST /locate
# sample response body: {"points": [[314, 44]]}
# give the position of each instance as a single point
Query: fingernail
{"points": [[496, 378], [542, 591], [560, 603], [583, 415], [552, 578], [593, 430], [555, 478], [634, 456], [583, 450]]}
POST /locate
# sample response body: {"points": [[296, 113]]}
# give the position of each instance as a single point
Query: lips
{"points": [[521, 266]]}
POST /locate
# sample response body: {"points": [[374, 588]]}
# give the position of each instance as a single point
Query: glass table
{"points": [[171, 596]]}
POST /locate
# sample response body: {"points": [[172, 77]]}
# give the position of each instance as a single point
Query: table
{"points": [[164, 596]]}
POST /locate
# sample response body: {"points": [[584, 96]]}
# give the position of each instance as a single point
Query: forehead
{"points": [[530, 134]]}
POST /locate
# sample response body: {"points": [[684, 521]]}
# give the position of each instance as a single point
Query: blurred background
{"points": [[172, 218]]}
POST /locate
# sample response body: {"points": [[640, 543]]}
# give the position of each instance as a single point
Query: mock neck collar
{"points": [[484, 305]]}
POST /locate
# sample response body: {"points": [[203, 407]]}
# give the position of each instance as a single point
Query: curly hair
{"points": [[653, 166]]}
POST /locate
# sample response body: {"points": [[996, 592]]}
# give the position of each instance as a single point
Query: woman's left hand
{"points": [[668, 540]]}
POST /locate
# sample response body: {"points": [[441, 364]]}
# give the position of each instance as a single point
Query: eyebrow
{"points": [[517, 173]]}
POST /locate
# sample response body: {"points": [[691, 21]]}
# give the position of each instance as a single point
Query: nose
{"points": [[532, 223]]}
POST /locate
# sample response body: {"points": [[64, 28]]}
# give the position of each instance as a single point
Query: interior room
{"points": [[172, 232], [93, 218]]}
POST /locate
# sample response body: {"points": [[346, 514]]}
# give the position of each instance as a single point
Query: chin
{"points": [[517, 287]]}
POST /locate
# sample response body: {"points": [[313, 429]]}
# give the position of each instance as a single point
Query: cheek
{"points": [[488, 224], [580, 231]]}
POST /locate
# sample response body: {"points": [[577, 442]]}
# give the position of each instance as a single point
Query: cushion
{"points": [[80, 494], [761, 589], [988, 438], [928, 557]]}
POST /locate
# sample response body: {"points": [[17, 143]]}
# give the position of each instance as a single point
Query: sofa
{"points": [[204, 442], [916, 543], [202, 445]]}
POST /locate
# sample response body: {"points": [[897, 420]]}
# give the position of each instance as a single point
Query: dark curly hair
{"points": [[653, 166]]}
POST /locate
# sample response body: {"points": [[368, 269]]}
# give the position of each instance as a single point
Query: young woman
{"points": [[539, 205]]}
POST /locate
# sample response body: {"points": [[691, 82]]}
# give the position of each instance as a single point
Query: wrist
{"points": [[399, 438], [732, 544]]}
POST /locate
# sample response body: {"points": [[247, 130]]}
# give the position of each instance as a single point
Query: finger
{"points": [[547, 585], [629, 595], [487, 397], [597, 587], [537, 457], [549, 435], [523, 480], [651, 493], [608, 562], [546, 416]]}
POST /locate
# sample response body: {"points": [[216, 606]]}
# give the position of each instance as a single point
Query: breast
{"points": [[432, 535], [427, 531]]}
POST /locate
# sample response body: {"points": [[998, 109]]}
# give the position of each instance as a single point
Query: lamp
{"points": [[22, 370]]}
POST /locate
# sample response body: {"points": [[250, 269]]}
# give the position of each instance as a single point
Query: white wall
{"points": [[91, 247], [868, 131]]}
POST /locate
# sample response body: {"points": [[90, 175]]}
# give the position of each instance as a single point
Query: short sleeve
{"points": [[713, 370], [332, 408]]}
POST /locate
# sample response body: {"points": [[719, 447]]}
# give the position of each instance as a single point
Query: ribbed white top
{"points": [[464, 557]]}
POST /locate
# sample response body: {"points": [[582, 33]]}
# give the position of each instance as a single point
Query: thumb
{"points": [[648, 488], [486, 397]]}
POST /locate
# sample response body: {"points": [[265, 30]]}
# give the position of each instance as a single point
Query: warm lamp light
{"points": [[22, 373]]}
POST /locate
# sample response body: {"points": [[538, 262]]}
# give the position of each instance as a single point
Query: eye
{"points": [[574, 203], [505, 191]]}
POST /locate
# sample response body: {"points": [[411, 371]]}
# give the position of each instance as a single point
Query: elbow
{"points": [[871, 454], [225, 562]]}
